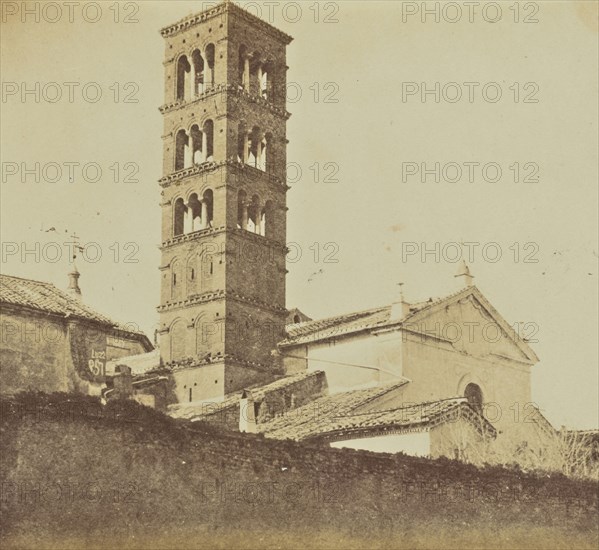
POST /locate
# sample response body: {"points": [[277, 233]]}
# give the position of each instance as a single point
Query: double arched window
{"points": [[256, 73], [194, 147], [254, 147], [195, 74], [194, 215], [255, 216]]}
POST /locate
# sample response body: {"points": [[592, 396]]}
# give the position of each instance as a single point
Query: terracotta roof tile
{"points": [[47, 298], [333, 416], [340, 325]]}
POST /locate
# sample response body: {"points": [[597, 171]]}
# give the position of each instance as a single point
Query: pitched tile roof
{"points": [[378, 318], [321, 329], [47, 298], [333, 417]]}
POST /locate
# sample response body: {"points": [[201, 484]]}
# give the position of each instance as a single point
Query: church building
{"points": [[440, 377]]}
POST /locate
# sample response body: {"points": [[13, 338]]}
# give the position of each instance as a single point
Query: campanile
{"points": [[223, 199]]}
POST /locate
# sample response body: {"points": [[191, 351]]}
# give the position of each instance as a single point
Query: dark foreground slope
{"points": [[75, 474]]}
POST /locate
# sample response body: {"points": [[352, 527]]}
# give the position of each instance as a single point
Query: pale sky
{"points": [[369, 214]]}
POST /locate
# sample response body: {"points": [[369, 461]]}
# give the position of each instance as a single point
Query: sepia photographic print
{"points": [[299, 274]]}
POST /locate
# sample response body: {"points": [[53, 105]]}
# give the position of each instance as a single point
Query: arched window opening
{"points": [[266, 157], [256, 74], [198, 148], [210, 60], [266, 81], [193, 215], [199, 74], [207, 209], [179, 217], [182, 151], [474, 395], [208, 141], [296, 319], [255, 150], [183, 77], [254, 216], [242, 210]]}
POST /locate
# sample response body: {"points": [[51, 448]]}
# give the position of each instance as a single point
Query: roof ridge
{"points": [[45, 283], [421, 404]]}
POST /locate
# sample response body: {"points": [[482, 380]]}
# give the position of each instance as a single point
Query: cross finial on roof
{"points": [[400, 285], [73, 287]]}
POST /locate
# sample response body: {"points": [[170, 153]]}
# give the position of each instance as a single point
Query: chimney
{"points": [[400, 308], [73, 288], [247, 413], [464, 271]]}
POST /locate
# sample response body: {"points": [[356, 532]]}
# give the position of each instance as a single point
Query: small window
{"points": [[474, 395], [296, 319]]}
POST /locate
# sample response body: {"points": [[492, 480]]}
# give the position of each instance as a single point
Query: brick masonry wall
{"points": [[127, 475]]}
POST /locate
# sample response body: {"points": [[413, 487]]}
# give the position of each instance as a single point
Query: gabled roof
{"points": [[47, 298], [380, 318], [333, 417]]}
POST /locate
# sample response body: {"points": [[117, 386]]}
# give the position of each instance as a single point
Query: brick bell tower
{"points": [[222, 307]]}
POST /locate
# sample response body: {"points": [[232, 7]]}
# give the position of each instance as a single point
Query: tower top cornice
{"points": [[224, 8]]}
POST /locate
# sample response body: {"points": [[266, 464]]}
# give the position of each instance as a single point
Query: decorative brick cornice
{"points": [[176, 178], [214, 231], [220, 10], [193, 300], [231, 89], [255, 302], [196, 235], [203, 168], [220, 295]]}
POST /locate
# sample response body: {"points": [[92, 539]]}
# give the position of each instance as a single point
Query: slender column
{"points": [[187, 219], [260, 79], [188, 153], [204, 146], [244, 215], [246, 147], [210, 83], [259, 153], [246, 73], [205, 223], [258, 221], [265, 153], [193, 79]]}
